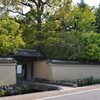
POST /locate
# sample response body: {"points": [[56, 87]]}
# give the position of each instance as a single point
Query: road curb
{"points": [[40, 95]]}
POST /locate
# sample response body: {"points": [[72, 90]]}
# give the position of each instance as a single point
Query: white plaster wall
{"points": [[7, 74], [50, 76], [70, 71], [41, 69]]}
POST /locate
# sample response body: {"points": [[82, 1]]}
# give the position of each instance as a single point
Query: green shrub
{"points": [[2, 92], [88, 81]]}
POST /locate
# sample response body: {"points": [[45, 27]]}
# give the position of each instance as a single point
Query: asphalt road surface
{"points": [[85, 95]]}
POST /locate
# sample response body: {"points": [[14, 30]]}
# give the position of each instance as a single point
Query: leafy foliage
{"points": [[97, 13], [10, 36], [56, 28], [69, 22], [91, 46], [52, 34]]}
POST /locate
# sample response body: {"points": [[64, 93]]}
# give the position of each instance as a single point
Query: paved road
{"points": [[85, 95], [81, 93]]}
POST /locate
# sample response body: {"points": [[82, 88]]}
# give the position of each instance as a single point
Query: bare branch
{"points": [[46, 3], [33, 1], [27, 4], [16, 12]]}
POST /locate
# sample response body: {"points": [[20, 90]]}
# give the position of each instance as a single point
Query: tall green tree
{"points": [[97, 13], [10, 36], [79, 18], [40, 26], [54, 27], [53, 34], [72, 21]]}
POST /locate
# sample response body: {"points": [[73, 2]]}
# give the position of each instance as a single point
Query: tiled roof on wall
{"points": [[28, 53], [72, 62], [7, 60]]}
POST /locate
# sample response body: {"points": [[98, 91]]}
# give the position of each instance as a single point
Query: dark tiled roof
{"points": [[7, 60], [64, 62], [28, 53], [72, 62]]}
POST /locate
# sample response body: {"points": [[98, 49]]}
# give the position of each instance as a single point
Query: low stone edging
{"points": [[44, 87]]}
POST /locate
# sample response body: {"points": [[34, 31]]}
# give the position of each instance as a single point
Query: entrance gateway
{"points": [[26, 58]]}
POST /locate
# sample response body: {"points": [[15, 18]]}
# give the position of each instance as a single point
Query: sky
{"points": [[90, 2]]}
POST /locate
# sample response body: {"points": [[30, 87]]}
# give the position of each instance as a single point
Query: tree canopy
{"points": [[10, 36], [58, 29], [97, 13], [91, 46]]}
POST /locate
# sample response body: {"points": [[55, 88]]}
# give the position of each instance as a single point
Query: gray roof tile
{"points": [[72, 62], [7, 60], [28, 53]]}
